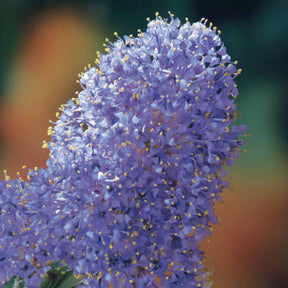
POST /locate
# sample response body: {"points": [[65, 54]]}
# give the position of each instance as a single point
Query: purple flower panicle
{"points": [[135, 167]]}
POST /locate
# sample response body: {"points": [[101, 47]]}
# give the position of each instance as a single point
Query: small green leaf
{"points": [[14, 282], [10, 284], [60, 276], [70, 281]]}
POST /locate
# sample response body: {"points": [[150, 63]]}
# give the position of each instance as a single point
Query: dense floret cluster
{"points": [[135, 166]]}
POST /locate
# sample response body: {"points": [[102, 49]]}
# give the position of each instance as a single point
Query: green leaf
{"points": [[60, 277], [14, 282], [70, 281], [10, 284]]}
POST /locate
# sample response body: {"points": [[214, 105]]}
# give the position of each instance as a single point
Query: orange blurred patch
{"points": [[53, 49], [248, 248]]}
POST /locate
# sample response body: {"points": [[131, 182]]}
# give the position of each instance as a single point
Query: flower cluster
{"points": [[135, 166]]}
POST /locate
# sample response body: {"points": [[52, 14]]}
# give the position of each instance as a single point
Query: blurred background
{"points": [[44, 44]]}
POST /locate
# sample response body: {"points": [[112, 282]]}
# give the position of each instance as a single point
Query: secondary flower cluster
{"points": [[135, 166]]}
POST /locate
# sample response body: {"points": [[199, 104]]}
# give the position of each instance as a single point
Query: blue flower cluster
{"points": [[135, 166]]}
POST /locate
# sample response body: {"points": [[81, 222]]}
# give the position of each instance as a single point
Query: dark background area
{"points": [[45, 44]]}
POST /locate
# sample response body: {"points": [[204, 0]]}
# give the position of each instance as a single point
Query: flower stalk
{"points": [[135, 167]]}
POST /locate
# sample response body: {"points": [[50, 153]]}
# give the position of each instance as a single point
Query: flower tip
{"points": [[171, 14]]}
